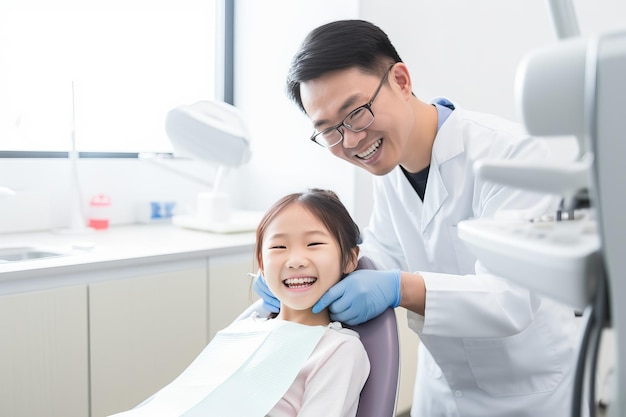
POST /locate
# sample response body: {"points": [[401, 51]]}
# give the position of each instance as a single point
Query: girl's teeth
{"points": [[299, 282]]}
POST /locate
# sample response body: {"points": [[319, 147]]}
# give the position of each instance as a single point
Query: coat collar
{"points": [[448, 142], [447, 145]]}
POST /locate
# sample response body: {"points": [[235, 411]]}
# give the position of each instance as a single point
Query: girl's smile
{"points": [[299, 283]]}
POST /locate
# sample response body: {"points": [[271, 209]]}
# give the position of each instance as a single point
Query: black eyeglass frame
{"points": [[367, 106]]}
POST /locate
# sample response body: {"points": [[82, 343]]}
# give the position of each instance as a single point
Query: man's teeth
{"points": [[370, 151], [299, 282]]}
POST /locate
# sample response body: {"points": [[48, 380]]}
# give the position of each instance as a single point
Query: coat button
{"points": [[458, 393]]}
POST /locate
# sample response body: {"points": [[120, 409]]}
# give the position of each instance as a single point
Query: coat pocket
{"points": [[529, 362]]}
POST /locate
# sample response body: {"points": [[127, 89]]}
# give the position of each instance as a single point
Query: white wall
{"points": [[43, 189], [467, 50], [268, 33]]}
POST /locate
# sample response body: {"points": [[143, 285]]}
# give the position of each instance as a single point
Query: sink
{"points": [[26, 253]]}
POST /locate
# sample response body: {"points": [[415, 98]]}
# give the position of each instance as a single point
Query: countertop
{"points": [[119, 246]]}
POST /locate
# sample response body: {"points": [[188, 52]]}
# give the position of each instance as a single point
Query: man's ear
{"points": [[402, 78], [354, 260]]}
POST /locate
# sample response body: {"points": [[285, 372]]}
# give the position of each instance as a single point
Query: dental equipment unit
{"points": [[575, 88], [213, 132]]}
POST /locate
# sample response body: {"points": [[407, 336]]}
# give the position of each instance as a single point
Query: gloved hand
{"points": [[361, 296], [270, 303]]}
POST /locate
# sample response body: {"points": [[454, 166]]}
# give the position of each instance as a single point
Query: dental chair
{"points": [[381, 341]]}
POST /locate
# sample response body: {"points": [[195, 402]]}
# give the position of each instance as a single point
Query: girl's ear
{"points": [[354, 260]]}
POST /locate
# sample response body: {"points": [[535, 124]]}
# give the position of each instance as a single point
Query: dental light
{"points": [[575, 87], [213, 132]]}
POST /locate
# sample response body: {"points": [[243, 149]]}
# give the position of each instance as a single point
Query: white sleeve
{"points": [[476, 306], [334, 386]]}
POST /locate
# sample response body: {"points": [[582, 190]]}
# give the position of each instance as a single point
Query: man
{"points": [[488, 347]]}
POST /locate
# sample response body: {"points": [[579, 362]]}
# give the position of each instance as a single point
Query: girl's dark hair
{"points": [[326, 206], [339, 45]]}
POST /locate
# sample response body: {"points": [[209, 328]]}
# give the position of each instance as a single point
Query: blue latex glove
{"points": [[270, 303], [361, 296]]}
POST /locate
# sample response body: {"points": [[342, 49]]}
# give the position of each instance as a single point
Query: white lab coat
{"points": [[488, 347]]}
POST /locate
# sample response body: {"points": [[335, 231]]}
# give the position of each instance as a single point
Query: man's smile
{"points": [[367, 154]]}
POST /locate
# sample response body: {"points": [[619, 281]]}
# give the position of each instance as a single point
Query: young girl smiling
{"points": [[306, 243], [297, 363]]}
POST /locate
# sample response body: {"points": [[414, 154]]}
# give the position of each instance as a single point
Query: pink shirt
{"points": [[330, 382]]}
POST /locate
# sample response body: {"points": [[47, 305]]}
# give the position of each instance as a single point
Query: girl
{"points": [[297, 363], [306, 243]]}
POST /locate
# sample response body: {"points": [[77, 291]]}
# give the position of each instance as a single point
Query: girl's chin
{"points": [[297, 308]]}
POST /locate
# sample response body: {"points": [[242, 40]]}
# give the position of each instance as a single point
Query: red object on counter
{"points": [[99, 207]]}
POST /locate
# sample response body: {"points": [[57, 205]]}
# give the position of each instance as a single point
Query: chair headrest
{"points": [[365, 263]]}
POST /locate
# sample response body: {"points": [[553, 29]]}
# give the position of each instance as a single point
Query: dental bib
{"points": [[244, 371]]}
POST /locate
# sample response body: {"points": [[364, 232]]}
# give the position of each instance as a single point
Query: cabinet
{"points": [[44, 353], [230, 288], [98, 333], [144, 331]]}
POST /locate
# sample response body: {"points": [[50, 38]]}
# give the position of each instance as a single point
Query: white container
{"points": [[213, 207]]}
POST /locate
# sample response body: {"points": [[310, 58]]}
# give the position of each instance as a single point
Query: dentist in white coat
{"points": [[488, 347]]}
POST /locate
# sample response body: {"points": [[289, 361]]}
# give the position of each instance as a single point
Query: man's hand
{"points": [[361, 296]]}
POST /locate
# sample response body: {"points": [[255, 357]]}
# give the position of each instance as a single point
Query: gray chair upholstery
{"points": [[381, 341]]}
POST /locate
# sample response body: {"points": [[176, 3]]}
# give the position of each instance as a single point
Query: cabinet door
{"points": [[230, 288], [43, 353], [144, 331]]}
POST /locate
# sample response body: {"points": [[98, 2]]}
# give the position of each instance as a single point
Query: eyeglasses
{"points": [[356, 121]]}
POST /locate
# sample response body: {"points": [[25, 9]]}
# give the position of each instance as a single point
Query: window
{"points": [[108, 71]]}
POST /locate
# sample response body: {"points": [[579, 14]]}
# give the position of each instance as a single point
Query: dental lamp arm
{"points": [[564, 18]]}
